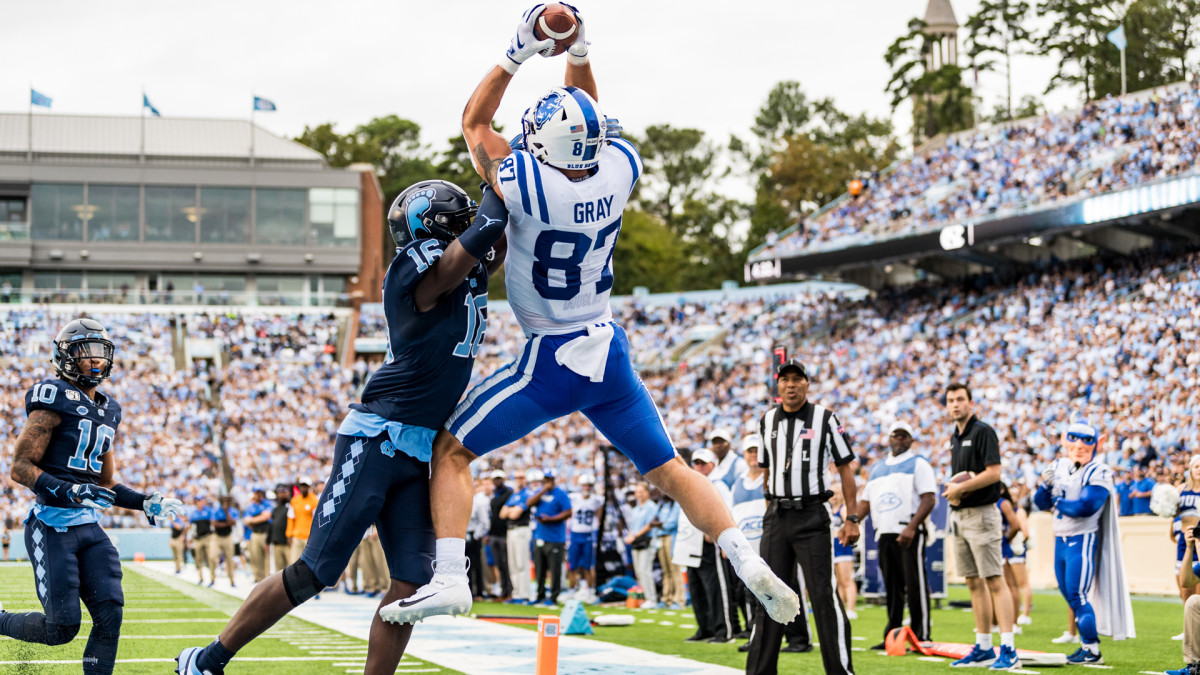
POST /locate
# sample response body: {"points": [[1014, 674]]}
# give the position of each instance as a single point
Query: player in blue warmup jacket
{"points": [[64, 454], [1079, 490], [435, 303]]}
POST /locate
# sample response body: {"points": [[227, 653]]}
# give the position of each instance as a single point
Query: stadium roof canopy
{"points": [[156, 138]]}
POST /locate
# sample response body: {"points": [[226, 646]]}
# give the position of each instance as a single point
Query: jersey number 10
{"points": [[89, 451]]}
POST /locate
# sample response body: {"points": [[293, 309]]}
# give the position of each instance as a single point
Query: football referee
{"points": [[800, 439]]}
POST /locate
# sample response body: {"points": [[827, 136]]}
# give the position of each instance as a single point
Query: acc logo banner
{"points": [[752, 526], [888, 501]]}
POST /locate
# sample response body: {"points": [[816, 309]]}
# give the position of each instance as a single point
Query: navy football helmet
{"points": [[431, 208], [78, 340]]}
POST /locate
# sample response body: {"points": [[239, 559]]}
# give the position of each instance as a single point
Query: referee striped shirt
{"points": [[797, 447]]}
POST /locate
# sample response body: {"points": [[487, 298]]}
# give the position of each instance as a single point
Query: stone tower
{"points": [[942, 28]]}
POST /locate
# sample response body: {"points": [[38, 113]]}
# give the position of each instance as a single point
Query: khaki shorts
{"points": [[976, 532]]}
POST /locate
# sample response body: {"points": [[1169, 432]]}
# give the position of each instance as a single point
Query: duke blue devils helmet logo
{"points": [[430, 209]]}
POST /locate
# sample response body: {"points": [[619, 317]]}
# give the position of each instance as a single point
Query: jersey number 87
{"points": [[581, 245]]}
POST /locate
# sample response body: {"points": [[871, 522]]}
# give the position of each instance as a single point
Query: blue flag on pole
{"points": [[37, 98], [1117, 37], [263, 104], [147, 104]]}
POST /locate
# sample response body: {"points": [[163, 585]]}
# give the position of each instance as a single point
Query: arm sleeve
{"points": [[923, 479], [1091, 501], [487, 227], [1043, 499], [838, 442]]}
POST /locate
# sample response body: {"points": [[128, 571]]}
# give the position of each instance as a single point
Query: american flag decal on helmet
{"points": [[576, 128]]}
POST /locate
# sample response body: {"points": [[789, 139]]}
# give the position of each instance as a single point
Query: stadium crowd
{"points": [[1109, 144], [1111, 338]]}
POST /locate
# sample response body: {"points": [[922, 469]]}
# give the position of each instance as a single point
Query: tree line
{"points": [[682, 231]]}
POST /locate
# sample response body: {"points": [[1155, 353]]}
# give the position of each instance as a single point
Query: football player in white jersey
{"points": [[1079, 490], [566, 190], [585, 519]]}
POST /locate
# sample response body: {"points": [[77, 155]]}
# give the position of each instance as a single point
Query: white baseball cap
{"points": [[533, 475], [587, 479], [721, 432], [499, 474], [704, 455], [901, 426], [751, 441]]}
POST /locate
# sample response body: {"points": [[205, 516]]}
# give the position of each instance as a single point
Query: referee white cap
{"points": [[753, 441], [901, 426]]}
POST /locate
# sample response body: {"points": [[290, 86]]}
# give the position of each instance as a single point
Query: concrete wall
{"points": [[154, 543], [1148, 550]]}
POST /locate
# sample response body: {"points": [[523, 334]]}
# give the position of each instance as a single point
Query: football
{"points": [[557, 22], [961, 477]]}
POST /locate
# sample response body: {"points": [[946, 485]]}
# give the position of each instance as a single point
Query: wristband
{"points": [[509, 65], [50, 487], [488, 227], [128, 498], [577, 60]]}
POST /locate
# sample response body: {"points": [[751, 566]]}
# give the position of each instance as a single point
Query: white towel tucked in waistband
{"points": [[587, 354]]}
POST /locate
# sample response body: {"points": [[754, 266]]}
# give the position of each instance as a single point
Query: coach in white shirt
{"points": [[899, 497]]}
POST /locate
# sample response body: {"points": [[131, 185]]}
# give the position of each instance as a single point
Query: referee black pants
{"points": [[904, 579], [714, 576], [803, 536]]}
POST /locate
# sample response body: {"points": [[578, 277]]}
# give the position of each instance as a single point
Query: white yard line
{"points": [[467, 645]]}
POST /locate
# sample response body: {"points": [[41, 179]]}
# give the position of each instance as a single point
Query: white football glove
{"points": [[524, 45], [1048, 473], [157, 506], [577, 55]]}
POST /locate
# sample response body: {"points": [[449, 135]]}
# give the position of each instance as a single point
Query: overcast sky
{"points": [[701, 64]]}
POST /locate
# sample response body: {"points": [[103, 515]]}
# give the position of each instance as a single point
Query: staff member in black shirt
{"points": [[277, 533], [498, 533], [800, 439], [976, 530]]}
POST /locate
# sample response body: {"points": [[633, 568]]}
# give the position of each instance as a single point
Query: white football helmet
{"points": [[565, 129]]}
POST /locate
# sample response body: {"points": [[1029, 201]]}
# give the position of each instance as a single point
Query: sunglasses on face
{"points": [[1086, 440]]}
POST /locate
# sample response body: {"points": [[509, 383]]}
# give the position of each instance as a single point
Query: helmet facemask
{"points": [[70, 356]]}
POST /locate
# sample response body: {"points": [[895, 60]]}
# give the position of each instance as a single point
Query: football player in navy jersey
{"points": [[435, 304], [64, 454]]}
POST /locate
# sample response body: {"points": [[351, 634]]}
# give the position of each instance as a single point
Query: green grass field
{"points": [[159, 621], [1153, 650]]}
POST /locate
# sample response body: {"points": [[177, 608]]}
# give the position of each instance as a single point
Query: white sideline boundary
{"points": [[467, 645]]}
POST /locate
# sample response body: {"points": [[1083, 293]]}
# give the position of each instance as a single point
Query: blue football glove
{"points": [[612, 127], [91, 495], [158, 506], [524, 44]]}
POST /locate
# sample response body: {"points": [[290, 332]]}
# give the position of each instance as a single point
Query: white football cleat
{"points": [[1024, 620], [781, 602], [447, 593], [1066, 638]]}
